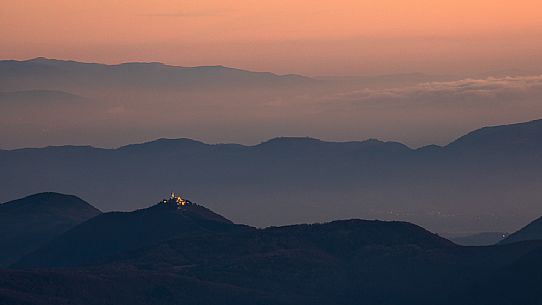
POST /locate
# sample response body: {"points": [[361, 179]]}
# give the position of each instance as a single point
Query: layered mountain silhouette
{"points": [[28, 223], [533, 231], [177, 251], [485, 181]]}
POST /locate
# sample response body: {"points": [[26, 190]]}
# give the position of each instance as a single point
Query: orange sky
{"points": [[309, 37]]}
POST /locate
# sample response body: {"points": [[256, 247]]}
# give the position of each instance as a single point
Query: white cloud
{"points": [[493, 89]]}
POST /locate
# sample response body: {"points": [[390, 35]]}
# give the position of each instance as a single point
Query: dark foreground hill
{"points": [[350, 262], [30, 222], [343, 262], [180, 252], [519, 282], [112, 234]]}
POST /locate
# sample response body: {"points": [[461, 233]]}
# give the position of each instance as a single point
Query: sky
{"points": [[480, 63], [427, 72], [316, 37]]}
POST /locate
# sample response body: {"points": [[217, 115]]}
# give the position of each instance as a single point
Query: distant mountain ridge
{"points": [[48, 73], [278, 143], [492, 137]]}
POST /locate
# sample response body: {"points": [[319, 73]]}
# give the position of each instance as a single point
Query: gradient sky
{"points": [[313, 37]]}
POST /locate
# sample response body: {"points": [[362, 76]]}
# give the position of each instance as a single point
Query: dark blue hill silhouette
{"points": [[114, 233], [341, 262], [523, 137], [532, 231], [30, 222], [518, 282], [311, 264], [204, 250]]}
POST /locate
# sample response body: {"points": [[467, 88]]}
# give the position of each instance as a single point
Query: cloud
{"points": [[434, 112], [463, 92], [489, 88]]}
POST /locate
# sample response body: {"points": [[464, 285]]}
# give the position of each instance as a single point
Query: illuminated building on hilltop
{"points": [[178, 200]]}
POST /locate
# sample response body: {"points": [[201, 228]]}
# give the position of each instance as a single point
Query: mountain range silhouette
{"points": [[166, 254], [486, 181]]}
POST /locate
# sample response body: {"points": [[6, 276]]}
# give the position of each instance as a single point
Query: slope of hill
{"points": [[111, 234], [533, 231], [30, 222], [518, 282], [514, 137]]}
